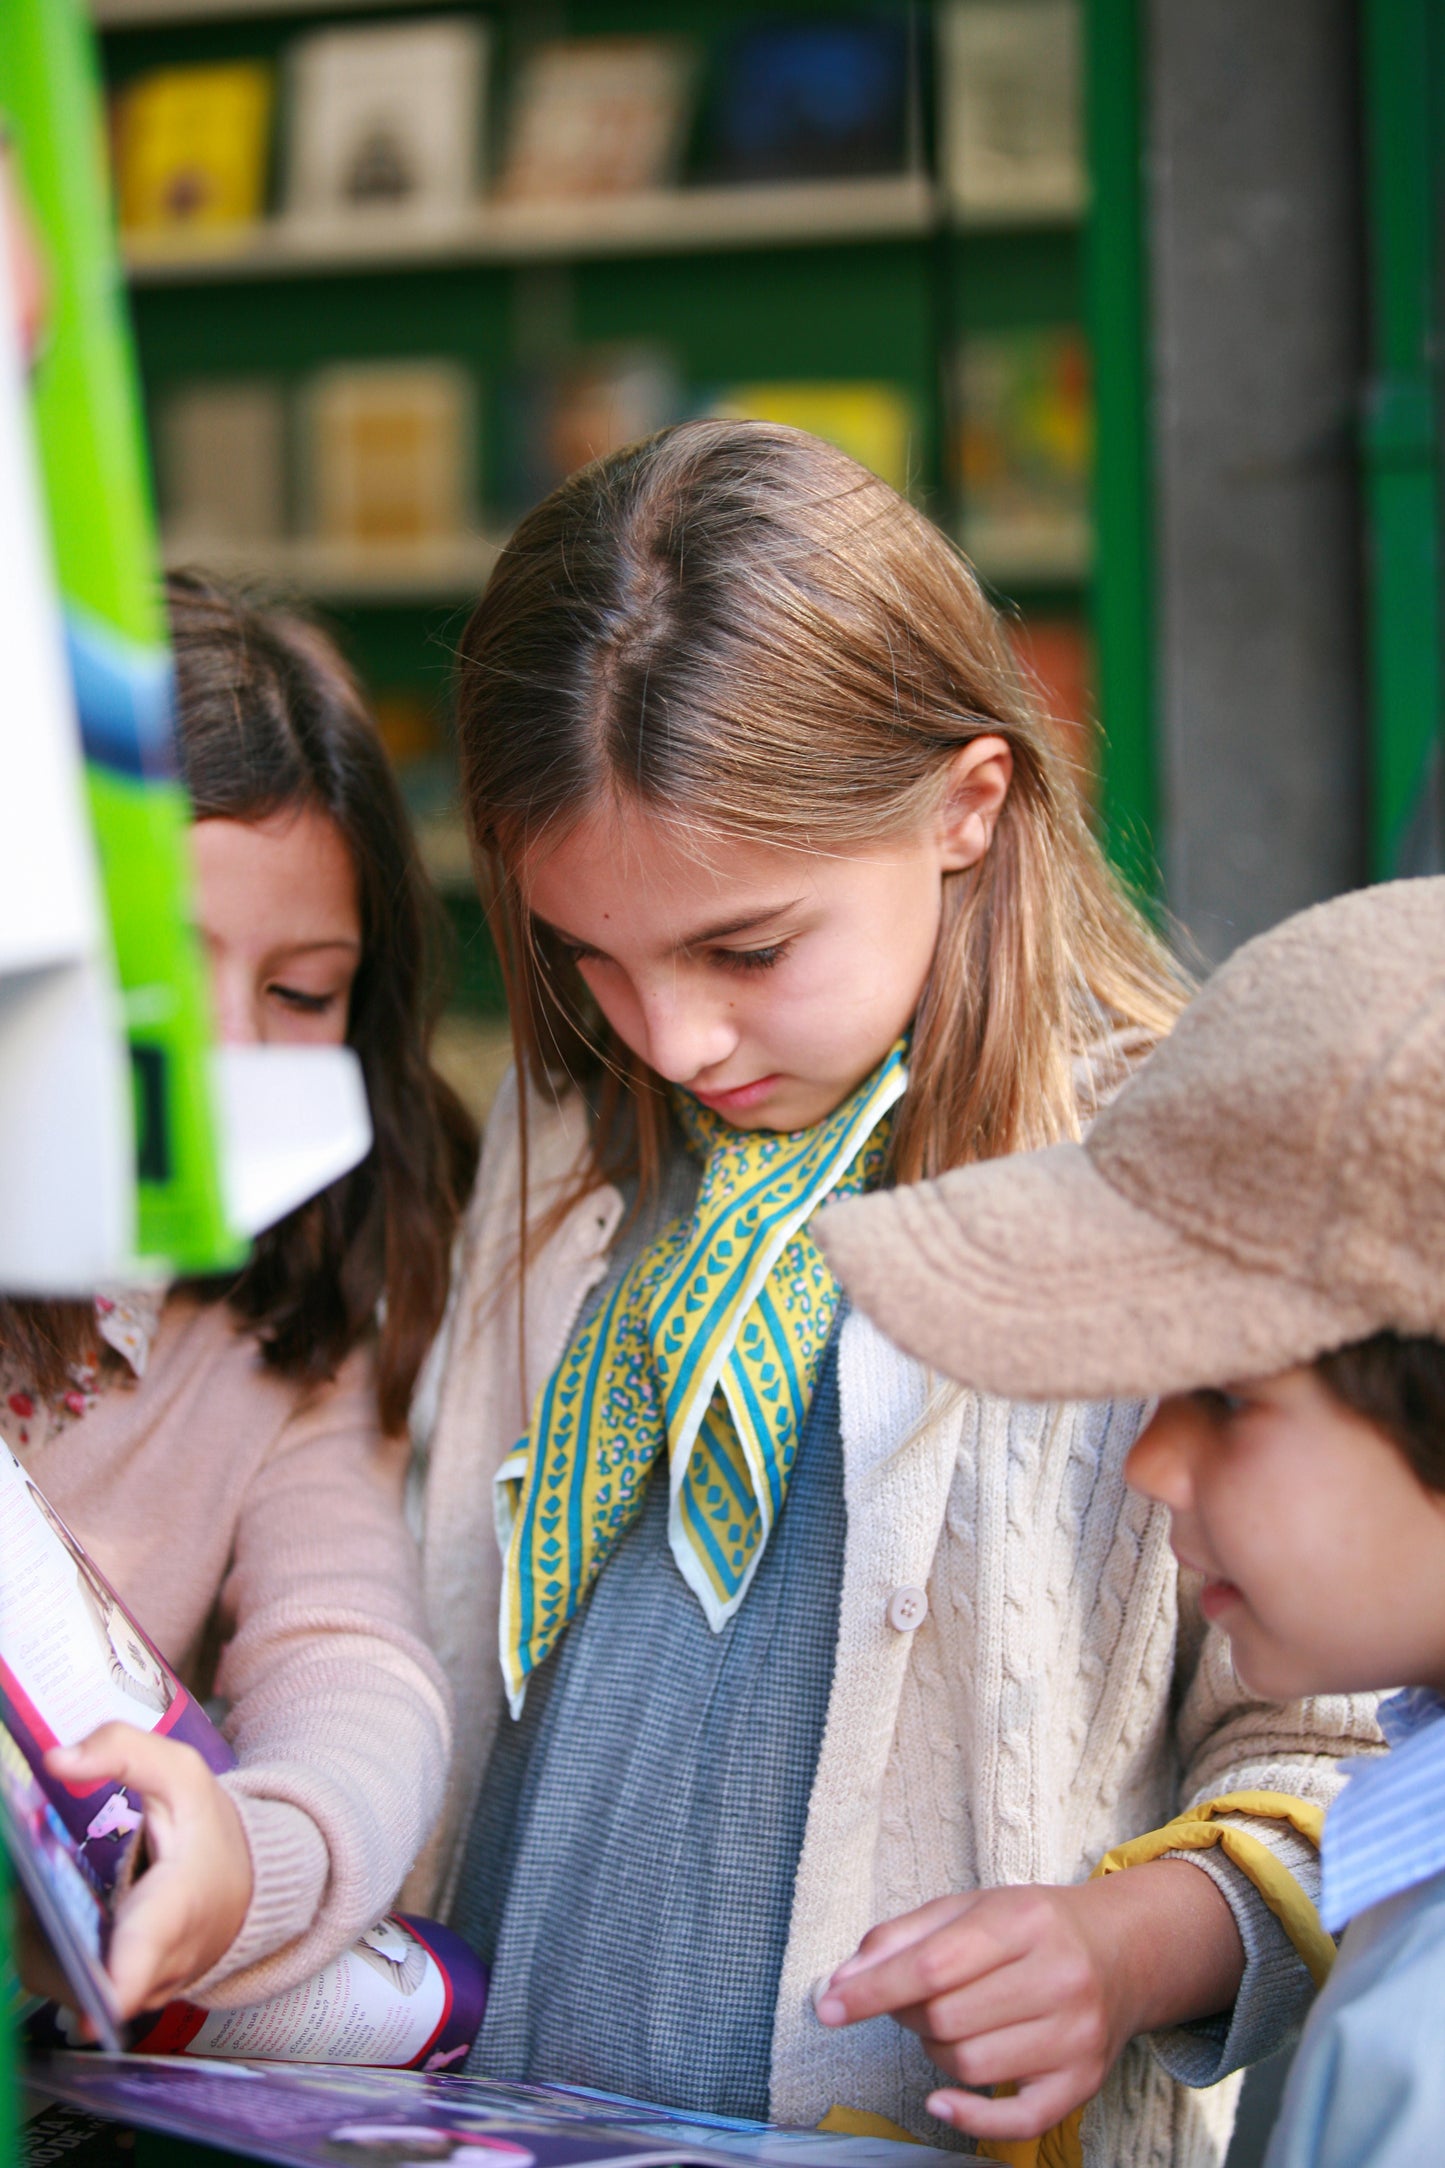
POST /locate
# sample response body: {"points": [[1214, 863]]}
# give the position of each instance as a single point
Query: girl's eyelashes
{"points": [[758, 959], [305, 1004], [754, 959]]}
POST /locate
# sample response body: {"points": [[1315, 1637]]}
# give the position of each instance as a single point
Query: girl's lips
{"points": [[741, 1098], [1216, 1597]]}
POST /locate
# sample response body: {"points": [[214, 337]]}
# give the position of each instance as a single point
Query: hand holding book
{"points": [[182, 1913], [106, 1759]]}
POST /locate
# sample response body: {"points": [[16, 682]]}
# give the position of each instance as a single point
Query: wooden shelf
{"points": [[164, 14], [453, 570], [657, 222]]}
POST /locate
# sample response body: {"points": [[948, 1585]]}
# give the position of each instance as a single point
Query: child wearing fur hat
{"points": [[1255, 1232]]}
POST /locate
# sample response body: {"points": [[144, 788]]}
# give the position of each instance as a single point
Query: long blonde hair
{"points": [[740, 629]]}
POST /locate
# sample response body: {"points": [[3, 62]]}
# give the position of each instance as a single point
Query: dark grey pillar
{"points": [[1258, 349]]}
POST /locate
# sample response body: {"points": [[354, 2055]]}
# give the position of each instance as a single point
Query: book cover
{"points": [[389, 452], [811, 98], [1056, 657], [586, 408], [1010, 96], [192, 147], [222, 462], [387, 118], [1024, 452], [872, 423], [597, 117], [81, 551]]}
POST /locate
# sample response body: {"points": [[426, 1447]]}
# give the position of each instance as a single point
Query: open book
{"points": [[302, 2116], [408, 1994], [293, 2088]]}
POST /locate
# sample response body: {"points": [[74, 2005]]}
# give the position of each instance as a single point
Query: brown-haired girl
{"points": [[795, 896], [232, 1455]]}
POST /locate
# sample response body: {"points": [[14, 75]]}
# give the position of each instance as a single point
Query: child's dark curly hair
{"points": [[1399, 1385]]}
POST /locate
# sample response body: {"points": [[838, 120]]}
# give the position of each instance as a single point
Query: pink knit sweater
{"points": [[224, 1501]]}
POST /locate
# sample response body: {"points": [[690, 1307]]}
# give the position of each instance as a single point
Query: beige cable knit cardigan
{"points": [[1058, 1697], [215, 1494]]}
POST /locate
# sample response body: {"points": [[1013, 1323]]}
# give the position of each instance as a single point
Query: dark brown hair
{"points": [[736, 626], [270, 718], [1398, 1384]]}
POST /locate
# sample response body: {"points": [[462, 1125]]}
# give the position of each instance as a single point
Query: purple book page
{"points": [[302, 2116]]}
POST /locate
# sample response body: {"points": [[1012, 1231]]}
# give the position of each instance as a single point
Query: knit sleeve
{"points": [[1230, 1742], [1276, 1990], [339, 1713]]}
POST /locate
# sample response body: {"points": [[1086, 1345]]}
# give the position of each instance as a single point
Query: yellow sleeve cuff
{"points": [[1198, 1828]]}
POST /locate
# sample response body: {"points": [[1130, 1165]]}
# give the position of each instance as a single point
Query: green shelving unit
{"points": [[1403, 77], [1116, 285]]}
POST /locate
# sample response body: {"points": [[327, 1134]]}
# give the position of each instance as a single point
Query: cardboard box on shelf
{"points": [[1024, 452], [1057, 658], [873, 423], [222, 459], [389, 452], [192, 148], [591, 405], [826, 98], [597, 117], [1011, 109], [386, 119]]}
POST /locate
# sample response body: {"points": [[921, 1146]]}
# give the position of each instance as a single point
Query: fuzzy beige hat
{"points": [[1270, 1185]]}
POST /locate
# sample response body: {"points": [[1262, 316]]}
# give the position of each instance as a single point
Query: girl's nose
{"points": [[234, 1005], [687, 1033], [1160, 1461]]}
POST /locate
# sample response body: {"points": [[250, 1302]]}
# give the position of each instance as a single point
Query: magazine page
{"points": [[407, 1994], [304, 2117], [740, 2139], [300, 2116], [66, 1899], [71, 1658]]}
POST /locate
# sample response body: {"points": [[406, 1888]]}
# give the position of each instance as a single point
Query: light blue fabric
{"points": [[1367, 2088], [1386, 1831]]}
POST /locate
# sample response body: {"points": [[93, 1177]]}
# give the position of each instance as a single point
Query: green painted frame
{"points": [[1403, 87], [1117, 303]]}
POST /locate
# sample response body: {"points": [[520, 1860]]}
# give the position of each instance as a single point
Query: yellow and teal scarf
{"points": [[710, 1346]]}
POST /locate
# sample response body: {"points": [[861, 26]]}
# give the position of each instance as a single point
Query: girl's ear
{"points": [[978, 783]]}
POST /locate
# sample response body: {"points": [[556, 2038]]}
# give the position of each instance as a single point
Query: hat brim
{"points": [[1034, 1278]]}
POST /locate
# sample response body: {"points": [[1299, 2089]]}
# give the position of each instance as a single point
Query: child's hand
{"points": [[1041, 1986], [182, 1914]]}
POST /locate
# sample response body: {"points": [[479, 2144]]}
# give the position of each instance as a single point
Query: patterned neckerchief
{"points": [[708, 1349]]}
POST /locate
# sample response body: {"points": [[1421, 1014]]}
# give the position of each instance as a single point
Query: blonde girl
{"points": [[759, 1640]]}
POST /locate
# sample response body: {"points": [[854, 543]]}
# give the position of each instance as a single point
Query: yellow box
{"points": [[873, 423], [192, 146]]}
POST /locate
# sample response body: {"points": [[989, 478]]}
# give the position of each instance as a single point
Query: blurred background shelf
{"points": [[446, 569], [655, 221], [151, 14]]}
